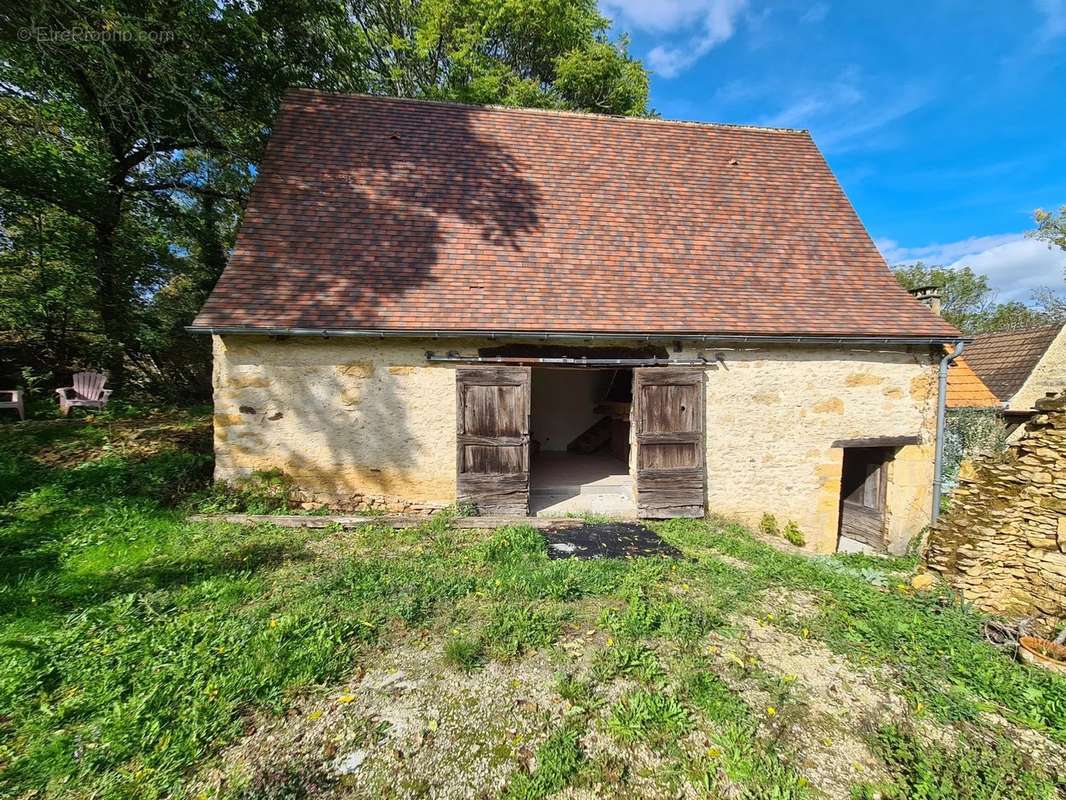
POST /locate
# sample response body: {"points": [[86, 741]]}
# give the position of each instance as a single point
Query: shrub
{"points": [[768, 525], [793, 535]]}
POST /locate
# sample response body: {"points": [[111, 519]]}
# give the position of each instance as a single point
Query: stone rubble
{"points": [[1003, 542]]}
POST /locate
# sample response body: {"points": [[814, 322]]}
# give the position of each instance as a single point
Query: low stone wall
{"points": [[350, 502], [1003, 543]]}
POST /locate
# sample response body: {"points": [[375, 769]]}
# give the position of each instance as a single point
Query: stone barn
{"points": [[535, 311]]}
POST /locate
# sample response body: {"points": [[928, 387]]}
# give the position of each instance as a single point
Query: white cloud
{"points": [[1016, 268], [845, 113], [815, 13], [1054, 14], [713, 20], [1014, 265], [944, 253]]}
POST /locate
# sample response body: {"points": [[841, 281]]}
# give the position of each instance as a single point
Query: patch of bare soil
{"points": [[782, 601], [733, 561], [830, 704], [410, 727]]}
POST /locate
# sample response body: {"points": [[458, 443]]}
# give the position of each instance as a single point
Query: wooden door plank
{"points": [[668, 412], [492, 438]]}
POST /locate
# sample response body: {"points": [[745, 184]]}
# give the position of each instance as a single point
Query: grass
{"points": [[558, 761], [971, 770], [135, 644]]}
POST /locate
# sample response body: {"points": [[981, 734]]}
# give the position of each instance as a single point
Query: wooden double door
{"points": [[492, 438]]}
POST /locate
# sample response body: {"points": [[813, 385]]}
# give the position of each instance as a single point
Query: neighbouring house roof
{"points": [[966, 389], [383, 214], [1005, 360]]}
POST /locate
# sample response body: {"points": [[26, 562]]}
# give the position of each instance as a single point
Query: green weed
{"points": [[738, 754], [648, 716], [464, 652], [265, 492], [793, 535], [631, 659], [968, 770], [558, 761], [769, 526], [516, 629]]}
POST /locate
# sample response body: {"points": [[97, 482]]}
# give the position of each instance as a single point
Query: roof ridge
{"points": [[1021, 331], [557, 112]]}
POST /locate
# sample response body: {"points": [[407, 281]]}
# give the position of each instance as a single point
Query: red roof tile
{"points": [[1005, 360], [378, 213]]}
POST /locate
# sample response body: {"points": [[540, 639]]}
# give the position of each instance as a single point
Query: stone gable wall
{"points": [[1049, 375], [1003, 543]]}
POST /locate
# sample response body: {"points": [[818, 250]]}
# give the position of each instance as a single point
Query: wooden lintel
{"points": [[879, 441]]}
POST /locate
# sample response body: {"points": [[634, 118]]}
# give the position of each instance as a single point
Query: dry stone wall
{"points": [[1003, 543]]}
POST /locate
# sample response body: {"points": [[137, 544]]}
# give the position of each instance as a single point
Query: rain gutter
{"points": [[327, 333]]}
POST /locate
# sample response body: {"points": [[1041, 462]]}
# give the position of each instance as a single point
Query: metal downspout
{"points": [[941, 412]]}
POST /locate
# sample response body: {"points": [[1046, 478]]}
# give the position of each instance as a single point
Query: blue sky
{"points": [[944, 120]]}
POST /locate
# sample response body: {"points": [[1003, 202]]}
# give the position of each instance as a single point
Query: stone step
{"points": [[625, 489]]}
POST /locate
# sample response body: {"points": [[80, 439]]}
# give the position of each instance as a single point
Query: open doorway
{"points": [[863, 488], [579, 432]]}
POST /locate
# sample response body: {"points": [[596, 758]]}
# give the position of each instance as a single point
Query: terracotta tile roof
{"points": [[386, 214], [1004, 360], [966, 390]]}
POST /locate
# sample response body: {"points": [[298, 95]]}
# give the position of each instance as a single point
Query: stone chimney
{"points": [[928, 296]]}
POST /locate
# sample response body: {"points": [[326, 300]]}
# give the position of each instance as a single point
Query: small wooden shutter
{"points": [[668, 415], [492, 414]]}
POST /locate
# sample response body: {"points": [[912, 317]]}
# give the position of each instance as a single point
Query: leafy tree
{"points": [[129, 132], [965, 295], [969, 303], [1050, 227]]}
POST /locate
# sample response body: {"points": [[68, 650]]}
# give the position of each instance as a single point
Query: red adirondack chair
{"points": [[87, 392]]}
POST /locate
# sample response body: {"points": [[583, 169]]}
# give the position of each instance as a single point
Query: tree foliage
{"points": [[130, 130], [969, 303], [1050, 227]]}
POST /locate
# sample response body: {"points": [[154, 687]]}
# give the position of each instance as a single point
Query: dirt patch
{"points": [[791, 602], [732, 561], [410, 727], [828, 705]]}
